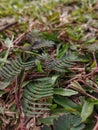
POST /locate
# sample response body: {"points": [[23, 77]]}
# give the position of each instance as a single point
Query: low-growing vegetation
{"points": [[48, 65]]}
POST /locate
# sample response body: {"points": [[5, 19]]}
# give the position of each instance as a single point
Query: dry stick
{"points": [[84, 93], [8, 25], [87, 94], [91, 96], [19, 39], [94, 89], [22, 120], [21, 36], [16, 96], [22, 127], [85, 76], [92, 73]]}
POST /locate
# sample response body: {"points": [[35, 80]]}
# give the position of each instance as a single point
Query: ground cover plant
{"points": [[49, 65]]}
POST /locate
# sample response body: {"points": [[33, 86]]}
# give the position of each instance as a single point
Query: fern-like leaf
{"points": [[59, 65], [12, 69], [36, 94]]}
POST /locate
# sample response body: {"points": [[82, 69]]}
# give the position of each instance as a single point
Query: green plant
{"points": [[67, 122], [12, 69], [56, 64], [36, 94]]}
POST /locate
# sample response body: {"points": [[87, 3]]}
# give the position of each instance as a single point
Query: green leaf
{"points": [[93, 65], [58, 111], [13, 68], [49, 120], [39, 67], [3, 60], [90, 41], [4, 84], [87, 109], [34, 92], [9, 43], [27, 47], [67, 104], [25, 83], [75, 85], [67, 122], [62, 51], [52, 37], [60, 65], [1, 93], [2, 110], [64, 92]]}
